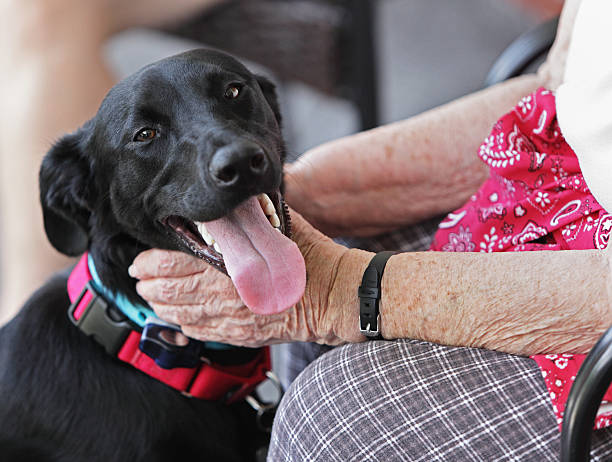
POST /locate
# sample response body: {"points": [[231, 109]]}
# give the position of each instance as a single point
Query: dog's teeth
{"points": [[274, 220], [270, 210], [266, 204], [217, 248], [261, 198], [205, 234], [207, 237]]}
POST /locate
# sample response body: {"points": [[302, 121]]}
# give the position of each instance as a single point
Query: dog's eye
{"points": [[146, 134], [232, 91]]}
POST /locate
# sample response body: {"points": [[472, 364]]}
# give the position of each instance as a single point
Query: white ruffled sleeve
{"points": [[584, 100]]}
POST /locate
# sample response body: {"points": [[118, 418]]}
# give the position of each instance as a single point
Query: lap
{"points": [[411, 400]]}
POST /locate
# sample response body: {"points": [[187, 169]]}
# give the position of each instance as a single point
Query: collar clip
{"points": [[99, 319]]}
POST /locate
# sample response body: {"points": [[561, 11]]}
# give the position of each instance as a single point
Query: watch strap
{"points": [[369, 295]]}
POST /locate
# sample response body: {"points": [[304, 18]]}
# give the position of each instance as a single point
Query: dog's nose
{"points": [[236, 162]]}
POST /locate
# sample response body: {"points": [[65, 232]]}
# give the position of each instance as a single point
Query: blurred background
{"points": [[425, 53], [340, 65]]}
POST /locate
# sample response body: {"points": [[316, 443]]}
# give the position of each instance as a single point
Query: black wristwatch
{"points": [[369, 296]]}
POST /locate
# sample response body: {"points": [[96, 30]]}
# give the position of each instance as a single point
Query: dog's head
{"points": [[185, 152]]}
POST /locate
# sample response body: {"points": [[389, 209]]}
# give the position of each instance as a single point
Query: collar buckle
{"points": [[100, 320], [166, 344]]}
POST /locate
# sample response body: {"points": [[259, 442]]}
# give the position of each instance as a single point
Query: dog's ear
{"points": [[269, 91], [64, 191]]}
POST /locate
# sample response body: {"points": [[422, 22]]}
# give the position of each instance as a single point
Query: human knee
{"points": [[294, 434]]}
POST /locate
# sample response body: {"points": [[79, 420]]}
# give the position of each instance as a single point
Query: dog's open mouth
{"points": [[196, 236], [251, 244]]}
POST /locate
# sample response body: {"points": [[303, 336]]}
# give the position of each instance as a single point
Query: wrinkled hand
{"points": [[187, 291]]}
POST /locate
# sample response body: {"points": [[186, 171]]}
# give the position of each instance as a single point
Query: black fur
{"points": [[62, 397]]}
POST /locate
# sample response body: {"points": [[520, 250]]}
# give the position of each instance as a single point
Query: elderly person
{"points": [[453, 382]]}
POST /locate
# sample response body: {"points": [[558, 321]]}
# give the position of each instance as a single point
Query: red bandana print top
{"points": [[534, 199]]}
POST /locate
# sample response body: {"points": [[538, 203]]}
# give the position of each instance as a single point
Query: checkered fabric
{"points": [[414, 238], [415, 401], [295, 357]]}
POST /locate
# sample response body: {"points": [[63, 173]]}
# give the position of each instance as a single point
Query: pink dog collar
{"points": [[107, 325]]}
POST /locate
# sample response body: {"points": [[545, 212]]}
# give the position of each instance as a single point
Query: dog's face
{"points": [[170, 155]]}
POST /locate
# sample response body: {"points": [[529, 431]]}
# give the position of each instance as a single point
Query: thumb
{"points": [[319, 251], [304, 234]]}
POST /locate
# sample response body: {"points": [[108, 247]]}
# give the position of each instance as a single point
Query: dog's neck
{"points": [[112, 258]]}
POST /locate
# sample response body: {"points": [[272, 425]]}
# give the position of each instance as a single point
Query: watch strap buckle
{"points": [[369, 294]]}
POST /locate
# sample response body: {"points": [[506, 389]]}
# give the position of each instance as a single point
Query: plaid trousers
{"points": [[409, 400]]}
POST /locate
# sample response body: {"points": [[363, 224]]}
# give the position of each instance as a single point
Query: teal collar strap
{"points": [[137, 313]]}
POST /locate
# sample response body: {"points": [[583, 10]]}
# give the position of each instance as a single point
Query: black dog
{"points": [[182, 142]]}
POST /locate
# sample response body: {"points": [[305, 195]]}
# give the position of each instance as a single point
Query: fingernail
{"points": [[132, 271]]}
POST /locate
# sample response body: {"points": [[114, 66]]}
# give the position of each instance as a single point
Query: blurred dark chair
{"points": [[327, 44], [524, 54]]}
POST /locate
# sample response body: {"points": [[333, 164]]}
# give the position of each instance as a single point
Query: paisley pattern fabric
{"points": [[535, 199]]}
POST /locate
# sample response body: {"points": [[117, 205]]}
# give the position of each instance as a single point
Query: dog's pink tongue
{"points": [[266, 267]]}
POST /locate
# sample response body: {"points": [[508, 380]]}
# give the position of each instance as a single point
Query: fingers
{"points": [[183, 290], [184, 315], [208, 334], [208, 286], [165, 263], [232, 332], [211, 316], [302, 232], [236, 327]]}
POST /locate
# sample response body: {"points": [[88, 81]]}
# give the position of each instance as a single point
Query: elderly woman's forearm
{"points": [[522, 303], [404, 172]]}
